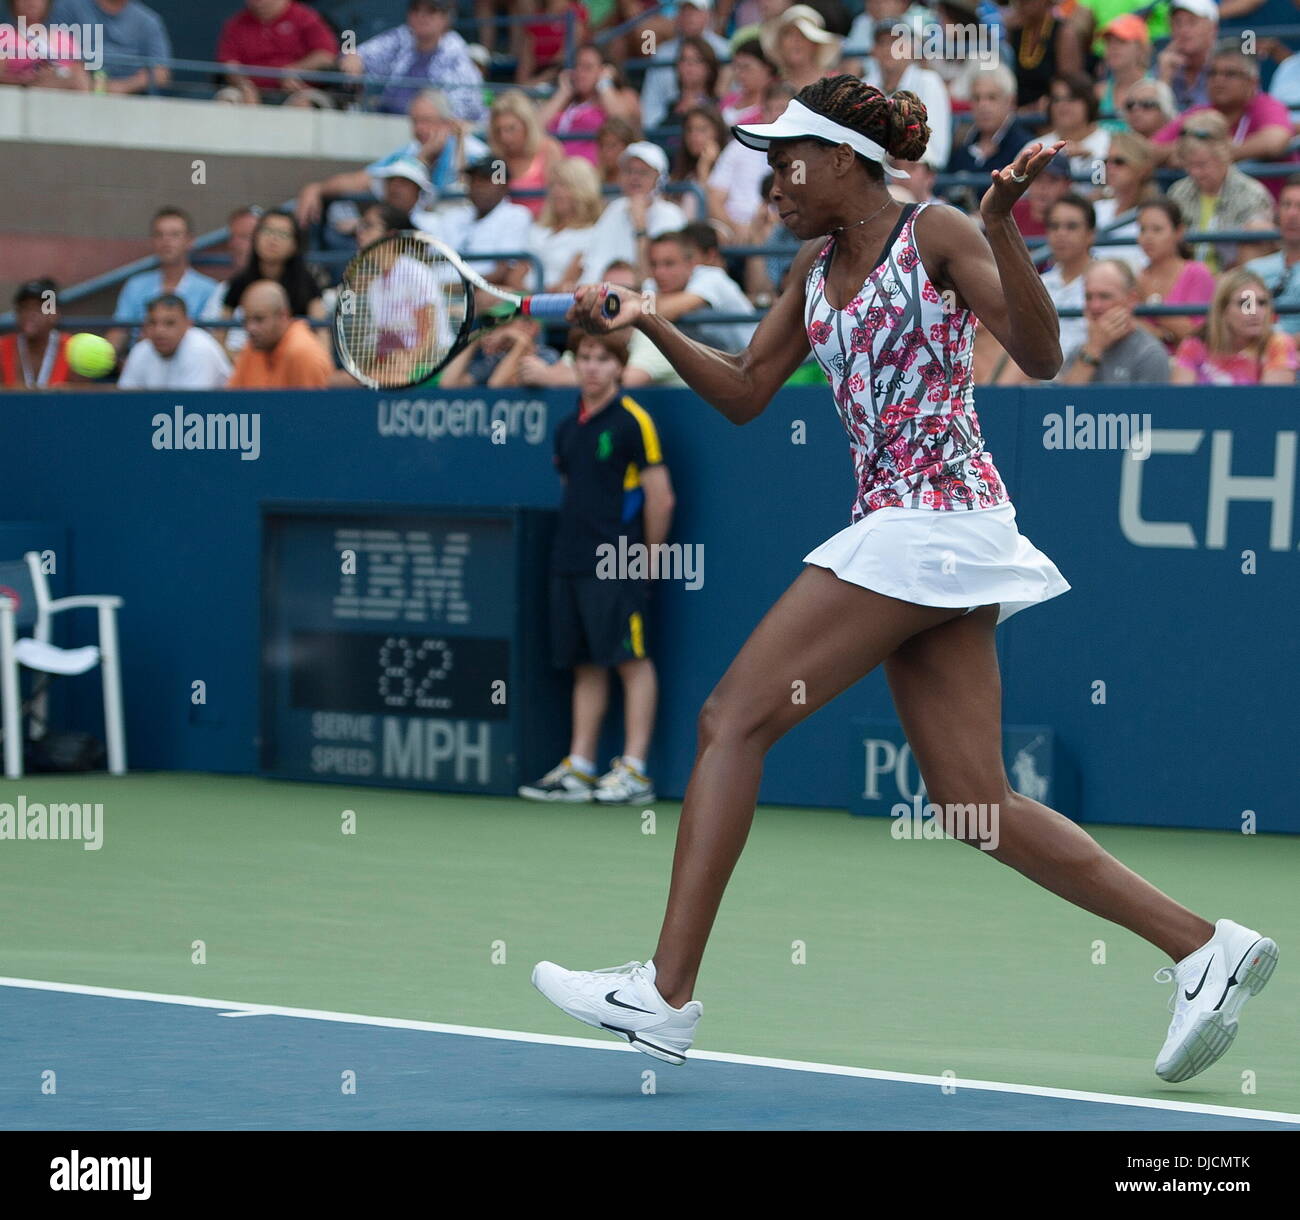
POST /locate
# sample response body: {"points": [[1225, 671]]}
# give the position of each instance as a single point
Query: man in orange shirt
{"points": [[281, 352]]}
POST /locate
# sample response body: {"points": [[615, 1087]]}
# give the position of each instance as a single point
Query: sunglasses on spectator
{"points": [[1142, 103], [1118, 161], [1199, 133], [1227, 72]]}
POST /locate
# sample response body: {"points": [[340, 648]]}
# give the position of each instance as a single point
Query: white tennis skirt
{"points": [[967, 558]]}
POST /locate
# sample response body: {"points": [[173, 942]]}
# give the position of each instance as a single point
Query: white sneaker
{"points": [[562, 783], [625, 1001], [621, 785], [1212, 984]]}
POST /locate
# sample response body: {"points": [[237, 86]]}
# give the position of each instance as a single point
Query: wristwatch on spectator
{"points": [[1088, 358]]}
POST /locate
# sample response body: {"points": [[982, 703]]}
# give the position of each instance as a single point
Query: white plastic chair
{"points": [[25, 603]]}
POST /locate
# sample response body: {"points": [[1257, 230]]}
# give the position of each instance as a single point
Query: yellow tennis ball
{"points": [[90, 355]]}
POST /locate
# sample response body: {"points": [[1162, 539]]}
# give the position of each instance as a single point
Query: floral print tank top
{"points": [[899, 363]]}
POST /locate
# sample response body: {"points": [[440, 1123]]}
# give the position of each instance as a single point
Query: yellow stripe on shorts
{"points": [[638, 634]]}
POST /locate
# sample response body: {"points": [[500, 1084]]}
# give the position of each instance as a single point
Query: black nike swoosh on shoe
{"points": [[609, 999], [1232, 978], [1191, 995]]}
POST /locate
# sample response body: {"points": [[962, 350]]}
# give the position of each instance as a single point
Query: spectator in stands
{"points": [[1281, 271], [47, 60], [1116, 350], [281, 352], [1130, 181], [1184, 65], [436, 139], [1030, 211], [1128, 60], [918, 186], [34, 355], [996, 134], [488, 224], [515, 135], [493, 358], [1261, 126], [696, 82], [543, 43], [276, 34], [1149, 106], [765, 274], [277, 256], [735, 185], [427, 48], [704, 135], [1215, 194], [584, 98], [1285, 85], [562, 233], [963, 64], [754, 18], [1042, 46], [1071, 227], [1240, 346], [683, 284], [1248, 251], [752, 73], [172, 235], [128, 28], [612, 141], [239, 244], [659, 87], [406, 186], [1171, 276], [173, 355], [639, 214], [801, 46], [1072, 110], [895, 66]]}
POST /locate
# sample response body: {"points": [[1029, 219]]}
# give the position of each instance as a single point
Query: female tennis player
{"points": [[887, 297]]}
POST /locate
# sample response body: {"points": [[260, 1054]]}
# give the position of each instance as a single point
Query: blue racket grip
{"points": [[557, 304]]}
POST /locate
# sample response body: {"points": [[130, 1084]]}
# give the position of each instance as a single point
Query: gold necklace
{"points": [[854, 225], [1030, 54]]}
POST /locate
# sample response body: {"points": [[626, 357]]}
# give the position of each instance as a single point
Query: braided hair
{"points": [[897, 123]]}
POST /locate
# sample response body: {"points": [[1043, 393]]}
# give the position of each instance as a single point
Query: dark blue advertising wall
{"points": [[1166, 674]]}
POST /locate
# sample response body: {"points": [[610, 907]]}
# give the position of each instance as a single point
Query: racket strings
{"points": [[402, 308]]}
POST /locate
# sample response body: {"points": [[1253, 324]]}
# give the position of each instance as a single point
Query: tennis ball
{"points": [[90, 355]]}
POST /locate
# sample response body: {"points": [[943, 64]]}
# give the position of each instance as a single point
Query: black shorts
{"points": [[597, 622]]}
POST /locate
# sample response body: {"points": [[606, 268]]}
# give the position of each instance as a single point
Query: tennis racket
{"points": [[406, 309]]}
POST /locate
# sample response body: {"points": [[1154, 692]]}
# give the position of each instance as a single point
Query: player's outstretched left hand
{"points": [[589, 313], [1005, 190]]}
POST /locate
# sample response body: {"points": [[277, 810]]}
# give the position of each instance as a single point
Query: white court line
{"points": [[241, 1009]]}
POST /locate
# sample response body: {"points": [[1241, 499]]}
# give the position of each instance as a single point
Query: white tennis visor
{"points": [[799, 123]]}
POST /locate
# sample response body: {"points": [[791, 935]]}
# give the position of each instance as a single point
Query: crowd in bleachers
{"points": [[621, 167]]}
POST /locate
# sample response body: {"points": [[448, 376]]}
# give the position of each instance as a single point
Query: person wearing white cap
{"points": [[639, 214], [1184, 65], [887, 297]]}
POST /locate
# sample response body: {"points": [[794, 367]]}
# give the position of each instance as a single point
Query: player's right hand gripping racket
{"points": [[406, 308]]}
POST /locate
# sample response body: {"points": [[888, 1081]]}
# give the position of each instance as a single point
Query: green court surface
{"points": [[919, 956]]}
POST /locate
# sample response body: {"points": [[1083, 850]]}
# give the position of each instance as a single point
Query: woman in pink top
{"points": [[516, 136], [752, 72], [49, 61], [584, 98], [1170, 276], [1240, 345]]}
